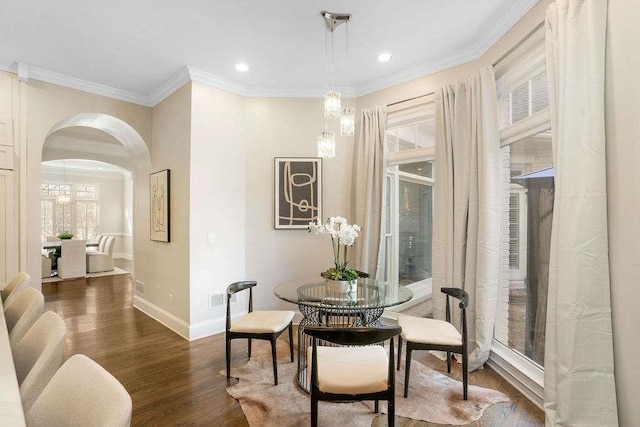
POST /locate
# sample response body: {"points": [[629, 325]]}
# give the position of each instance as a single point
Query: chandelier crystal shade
{"points": [[347, 122], [326, 144], [332, 105], [332, 102]]}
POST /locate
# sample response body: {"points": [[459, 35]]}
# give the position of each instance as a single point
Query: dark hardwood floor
{"points": [[176, 382]]}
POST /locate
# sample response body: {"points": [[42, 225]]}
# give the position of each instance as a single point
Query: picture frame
{"points": [[159, 196], [298, 192]]}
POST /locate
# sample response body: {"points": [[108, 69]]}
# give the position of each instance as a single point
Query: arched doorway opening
{"points": [[77, 141]]}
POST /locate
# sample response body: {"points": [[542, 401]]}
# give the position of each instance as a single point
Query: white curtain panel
{"points": [[466, 230], [579, 384], [370, 171]]}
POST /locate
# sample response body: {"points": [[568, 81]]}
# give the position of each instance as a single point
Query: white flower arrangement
{"points": [[342, 235]]}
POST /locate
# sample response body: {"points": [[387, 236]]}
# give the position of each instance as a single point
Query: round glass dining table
{"points": [[321, 307]]}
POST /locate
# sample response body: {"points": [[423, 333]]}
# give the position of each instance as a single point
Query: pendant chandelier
{"points": [[63, 196], [332, 98]]}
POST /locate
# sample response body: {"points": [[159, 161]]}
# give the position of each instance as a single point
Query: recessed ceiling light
{"points": [[384, 57], [242, 67]]}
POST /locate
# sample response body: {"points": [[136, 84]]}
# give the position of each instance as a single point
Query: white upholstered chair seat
{"points": [[81, 393], [72, 262], [431, 331], [38, 355], [22, 312], [351, 370], [12, 288], [102, 259], [263, 322]]}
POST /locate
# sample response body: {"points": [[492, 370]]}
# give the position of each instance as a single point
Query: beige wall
{"points": [[285, 127], [167, 284], [217, 202], [623, 164], [45, 105]]}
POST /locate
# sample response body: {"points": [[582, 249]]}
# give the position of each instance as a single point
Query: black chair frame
{"points": [[463, 297], [352, 337], [269, 336]]}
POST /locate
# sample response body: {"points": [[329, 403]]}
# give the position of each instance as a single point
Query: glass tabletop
{"points": [[370, 293]]}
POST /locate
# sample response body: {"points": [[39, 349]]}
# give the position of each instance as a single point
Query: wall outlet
{"points": [[170, 299], [215, 300], [139, 287]]}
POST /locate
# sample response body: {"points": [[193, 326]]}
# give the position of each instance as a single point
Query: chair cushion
{"points": [[429, 331], [351, 370], [263, 322]]}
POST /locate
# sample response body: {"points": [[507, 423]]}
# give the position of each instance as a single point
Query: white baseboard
{"points": [[207, 328], [172, 322]]}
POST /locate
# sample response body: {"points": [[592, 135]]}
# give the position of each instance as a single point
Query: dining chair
{"points": [[432, 334], [358, 372], [81, 393], [22, 312], [96, 241], [46, 266], [38, 355], [98, 261], [17, 282], [73, 261], [262, 325]]}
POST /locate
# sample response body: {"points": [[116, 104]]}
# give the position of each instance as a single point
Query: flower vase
{"points": [[342, 286]]}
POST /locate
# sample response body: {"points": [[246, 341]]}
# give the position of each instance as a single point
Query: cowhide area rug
{"points": [[433, 396]]}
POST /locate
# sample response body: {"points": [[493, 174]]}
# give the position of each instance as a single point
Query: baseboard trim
{"points": [[207, 328], [162, 316]]}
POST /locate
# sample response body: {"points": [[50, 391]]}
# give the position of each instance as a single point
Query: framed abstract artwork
{"points": [[298, 192], [159, 214]]}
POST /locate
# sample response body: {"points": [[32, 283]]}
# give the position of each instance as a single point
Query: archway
{"points": [[138, 162]]}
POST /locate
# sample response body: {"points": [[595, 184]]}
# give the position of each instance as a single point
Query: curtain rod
{"points": [[411, 99], [517, 45]]}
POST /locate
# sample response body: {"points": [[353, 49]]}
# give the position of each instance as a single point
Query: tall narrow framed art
{"points": [[159, 197], [298, 192]]}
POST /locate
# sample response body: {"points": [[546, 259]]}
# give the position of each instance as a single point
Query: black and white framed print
{"points": [[298, 192], [159, 196]]}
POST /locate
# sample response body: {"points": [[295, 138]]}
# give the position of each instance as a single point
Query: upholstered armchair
{"points": [[73, 262], [101, 260]]}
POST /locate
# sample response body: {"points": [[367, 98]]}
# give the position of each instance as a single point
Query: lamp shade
{"points": [[332, 105], [326, 144]]}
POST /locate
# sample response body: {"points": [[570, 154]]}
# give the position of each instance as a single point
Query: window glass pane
{"points": [[46, 216], [520, 103], [539, 93], [415, 231], [392, 146], [406, 137], [528, 239], [426, 133], [424, 169]]}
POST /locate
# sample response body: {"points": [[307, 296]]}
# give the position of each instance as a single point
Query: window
{"points": [[410, 140], [528, 179], [69, 207]]}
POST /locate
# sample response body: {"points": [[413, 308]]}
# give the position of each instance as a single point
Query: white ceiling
{"points": [[136, 46]]}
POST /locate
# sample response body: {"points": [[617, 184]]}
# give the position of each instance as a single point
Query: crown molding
{"points": [[80, 145], [55, 172], [59, 79], [172, 84], [11, 67], [489, 35]]}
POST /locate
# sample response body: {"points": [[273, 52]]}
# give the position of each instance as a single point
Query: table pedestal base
{"points": [[333, 317]]}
